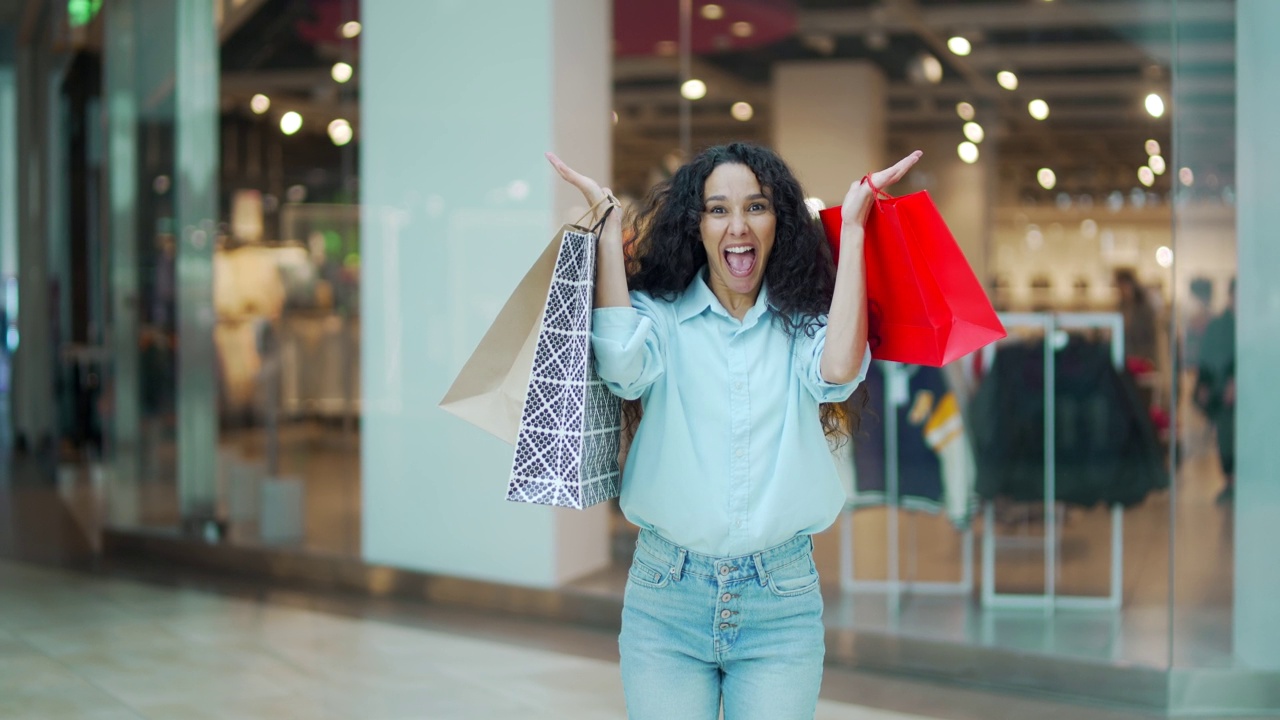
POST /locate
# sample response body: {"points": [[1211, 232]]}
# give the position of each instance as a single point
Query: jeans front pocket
{"points": [[647, 571], [795, 578]]}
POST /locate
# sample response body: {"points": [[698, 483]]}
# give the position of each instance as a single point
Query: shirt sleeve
{"points": [[628, 345], [809, 367]]}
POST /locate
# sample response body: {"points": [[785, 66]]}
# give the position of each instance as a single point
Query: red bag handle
{"points": [[878, 193]]}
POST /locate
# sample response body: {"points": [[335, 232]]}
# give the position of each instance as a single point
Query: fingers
{"points": [[891, 175], [588, 187]]}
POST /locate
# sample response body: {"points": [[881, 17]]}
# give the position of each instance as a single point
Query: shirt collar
{"points": [[698, 297]]}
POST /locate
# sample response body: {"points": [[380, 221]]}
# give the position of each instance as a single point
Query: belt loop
{"points": [[678, 568], [760, 575]]}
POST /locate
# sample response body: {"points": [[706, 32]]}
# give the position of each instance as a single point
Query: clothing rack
{"points": [[894, 375], [1052, 324]]}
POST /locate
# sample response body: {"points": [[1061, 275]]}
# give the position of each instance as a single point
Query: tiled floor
{"points": [[89, 647]]}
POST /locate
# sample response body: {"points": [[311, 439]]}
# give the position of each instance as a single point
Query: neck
{"points": [[736, 303]]}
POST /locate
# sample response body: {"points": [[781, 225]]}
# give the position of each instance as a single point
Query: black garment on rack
{"points": [[1106, 448], [919, 473]]}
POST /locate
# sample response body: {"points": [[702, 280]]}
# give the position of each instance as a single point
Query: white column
{"points": [[459, 101], [829, 121], [1257, 499]]}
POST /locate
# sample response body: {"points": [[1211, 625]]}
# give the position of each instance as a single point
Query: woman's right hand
{"points": [[589, 188]]}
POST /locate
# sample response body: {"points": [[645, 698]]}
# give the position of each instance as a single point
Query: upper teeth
{"points": [[738, 249]]}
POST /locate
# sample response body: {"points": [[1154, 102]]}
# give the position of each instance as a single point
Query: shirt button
{"points": [[737, 385], [740, 452], [724, 569], [726, 598], [725, 614]]}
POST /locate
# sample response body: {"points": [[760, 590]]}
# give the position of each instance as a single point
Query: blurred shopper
{"points": [[739, 337], [1139, 320], [1216, 388]]}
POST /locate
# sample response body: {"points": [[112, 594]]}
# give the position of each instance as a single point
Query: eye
{"points": [[716, 210], [758, 207]]}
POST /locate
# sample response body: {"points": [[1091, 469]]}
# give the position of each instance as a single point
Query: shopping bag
{"points": [[925, 306], [532, 382]]}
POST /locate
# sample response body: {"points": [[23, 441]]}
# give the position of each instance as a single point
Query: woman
{"points": [[736, 329]]}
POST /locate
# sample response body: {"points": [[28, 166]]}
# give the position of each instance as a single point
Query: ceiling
{"points": [[1093, 61]]}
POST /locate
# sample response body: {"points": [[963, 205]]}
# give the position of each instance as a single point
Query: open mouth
{"points": [[740, 260]]}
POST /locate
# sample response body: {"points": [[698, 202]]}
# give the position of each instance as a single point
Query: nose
{"points": [[738, 224]]}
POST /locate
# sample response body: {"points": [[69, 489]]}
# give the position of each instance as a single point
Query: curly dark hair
{"points": [[667, 252]]}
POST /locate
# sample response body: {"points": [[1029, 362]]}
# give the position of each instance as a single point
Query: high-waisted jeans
{"points": [[696, 629]]}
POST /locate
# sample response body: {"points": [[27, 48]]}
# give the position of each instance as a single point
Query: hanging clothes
{"points": [[1106, 450], [936, 468]]}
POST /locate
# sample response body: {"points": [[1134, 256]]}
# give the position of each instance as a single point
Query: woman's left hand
{"points": [[857, 202]]}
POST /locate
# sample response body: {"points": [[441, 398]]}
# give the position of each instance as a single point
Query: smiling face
{"points": [[738, 223]]}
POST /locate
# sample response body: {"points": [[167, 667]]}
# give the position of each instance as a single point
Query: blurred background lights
{"points": [[1187, 177], [968, 152], [1089, 228], [260, 103], [1038, 108], [742, 111], [340, 132], [342, 72], [1152, 147], [742, 29], [1164, 257], [615, 117], [931, 67], [1046, 178], [351, 29], [1146, 176], [815, 205], [1155, 105], [290, 123], [711, 11], [964, 110], [1156, 163], [693, 89], [974, 132], [1007, 80], [959, 45]]}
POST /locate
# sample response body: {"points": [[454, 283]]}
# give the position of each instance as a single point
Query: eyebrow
{"points": [[722, 198]]}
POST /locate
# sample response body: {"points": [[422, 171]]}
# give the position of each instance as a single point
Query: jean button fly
{"points": [[726, 597], [724, 569], [725, 614]]}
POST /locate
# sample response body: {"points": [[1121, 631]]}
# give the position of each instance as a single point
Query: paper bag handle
{"points": [[878, 193], [608, 198]]}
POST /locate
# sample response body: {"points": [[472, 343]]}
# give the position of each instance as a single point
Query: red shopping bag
{"points": [[926, 306]]}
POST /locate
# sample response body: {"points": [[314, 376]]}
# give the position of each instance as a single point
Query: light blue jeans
{"points": [[696, 629]]}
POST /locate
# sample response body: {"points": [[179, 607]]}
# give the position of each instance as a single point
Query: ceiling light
{"points": [[712, 11], [1155, 105], [1156, 163], [1187, 177], [693, 89], [340, 132], [742, 111], [342, 72], [1164, 256], [964, 110], [959, 46], [742, 29], [290, 123], [615, 117], [666, 48], [968, 152], [259, 104], [974, 132], [351, 29], [1146, 176], [1046, 178], [1153, 147], [932, 68], [1038, 108], [1007, 80]]}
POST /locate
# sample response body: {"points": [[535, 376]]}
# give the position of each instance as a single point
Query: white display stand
{"points": [[1051, 324], [894, 584]]}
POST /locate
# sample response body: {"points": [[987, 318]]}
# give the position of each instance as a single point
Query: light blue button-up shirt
{"points": [[730, 457]]}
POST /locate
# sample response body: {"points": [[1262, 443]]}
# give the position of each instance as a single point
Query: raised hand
{"points": [[589, 188], [857, 202]]}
